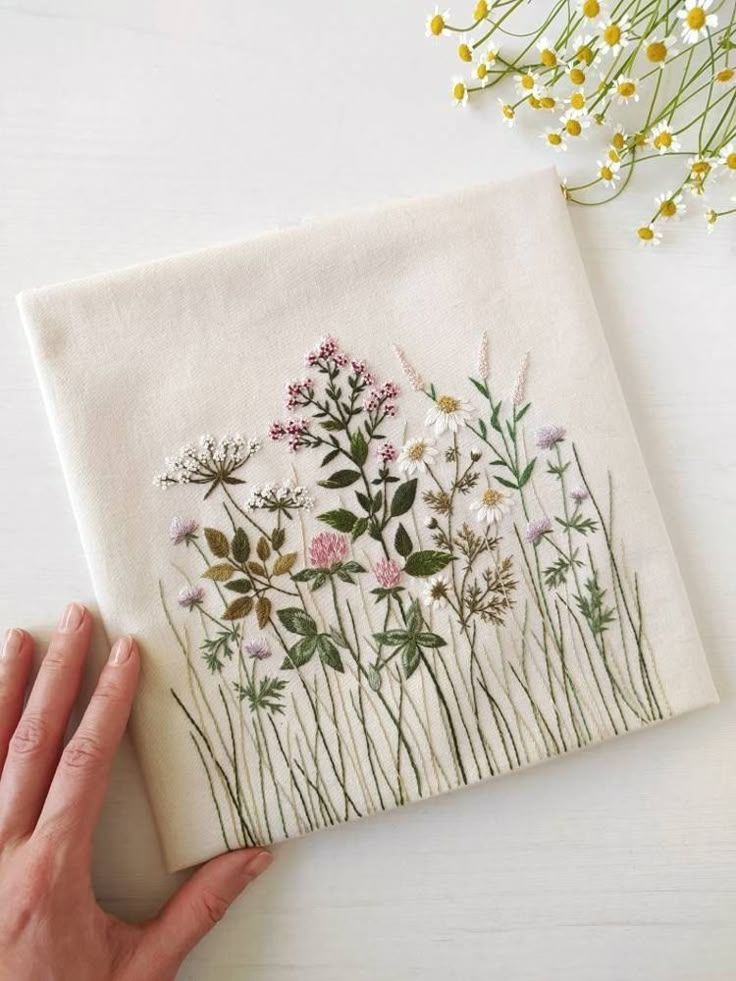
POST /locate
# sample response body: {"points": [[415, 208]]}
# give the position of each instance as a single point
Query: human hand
{"points": [[51, 928]]}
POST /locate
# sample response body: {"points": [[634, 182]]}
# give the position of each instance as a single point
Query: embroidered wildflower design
{"points": [[416, 455], [190, 597], [536, 530], [387, 452], [182, 530], [579, 494], [550, 436], [285, 496], [436, 592], [492, 506], [260, 649], [211, 462], [448, 412], [326, 549], [387, 573]]}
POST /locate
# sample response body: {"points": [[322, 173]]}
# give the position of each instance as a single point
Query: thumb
{"points": [[202, 901]]}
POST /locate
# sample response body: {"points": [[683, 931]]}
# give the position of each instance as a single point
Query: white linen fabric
{"points": [[432, 558]]}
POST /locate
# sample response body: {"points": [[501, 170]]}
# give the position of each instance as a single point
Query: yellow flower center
{"points": [[668, 209], [534, 102], [492, 55], [527, 82], [700, 167], [508, 111], [437, 25], [663, 140], [573, 127], [612, 34], [626, 89], [645, 234], [577, 76], [613, 156], [725, 75], [591, 8], [416, 451], [481, 71], [711, 216], [464, 53], [547, 102], [618, 141], [585, 54], [458, 91], [555, 140], [491, 498], [548, 58], [577, 100], [447, 404], [731, 161], [695, 18], [640, 139], [656, 51], [481, 10], [606, 173]]}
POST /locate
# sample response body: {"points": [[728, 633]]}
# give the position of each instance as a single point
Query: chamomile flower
{"points": [[481, 73], [663, 139], [670, 206], [547, 100], [528, 84], [626, 89], [584, 50], [448, 412], [658, 50], [459, 91], [575, 74], [590, 9], [416, 455], [711, 217], [436, 592], [508, 114], [436, 23], [481, 10], [465, 49], [555, 139], [649, 236], [547, 53], [725, 76], [608, 173], [492, 506], [576, 102], [491, 54], [700, 169], [613, 35], [696, 21], [727, 159], [574, 124]]}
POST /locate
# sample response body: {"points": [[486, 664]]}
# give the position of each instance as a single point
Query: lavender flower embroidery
{"points": [[190, 596], [537, 529], [549, 436], [182, 530]]}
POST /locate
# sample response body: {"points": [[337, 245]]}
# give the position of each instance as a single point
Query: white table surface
{"points": [[131, 129]]}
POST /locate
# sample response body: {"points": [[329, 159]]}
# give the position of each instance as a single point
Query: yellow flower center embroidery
{"points": [[663, 140], [731, 161], [508, 111], [725, 75], [491, 498], [482, 71], [481, 10], [612, 34], [695, 18], [645, 234], [606, 173], [416, 452], [555, 140], [577, 76], [668, 209], [547, 102], [577, 100], [585, 54], [573, 127], [656, 51], [437, 25], [548, 58], [458, 91], [591, 8], [447, 404], [626, 89], [464, 53], [527, 82]]}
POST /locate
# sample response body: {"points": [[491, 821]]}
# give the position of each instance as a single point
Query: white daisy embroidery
{"points": [[448, 413], [415, 455], [492, 506]]}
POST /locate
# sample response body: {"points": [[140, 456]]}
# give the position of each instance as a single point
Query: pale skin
{"points": [[51, 927]]}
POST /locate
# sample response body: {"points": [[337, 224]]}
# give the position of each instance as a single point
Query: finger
{"points": [[15, 669], [202, 902], [80, 783], [36, 743]]}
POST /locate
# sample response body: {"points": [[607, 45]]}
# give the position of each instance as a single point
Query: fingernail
{"points": [[12, 644], [120, 651], [71, 618], [258, 863]]}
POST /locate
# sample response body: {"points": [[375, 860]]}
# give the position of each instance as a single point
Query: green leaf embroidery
{"points": [[403, 499], [341, 519], [217, 542], [339, 479], [359, 448], [240, 546], [402, 542], [329, 654], [297, 621], [240, 586], [426, 563], [301, 653], [239, 608]]}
